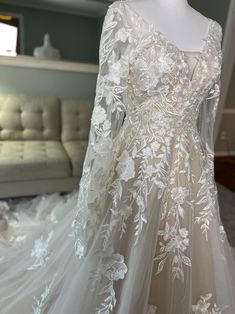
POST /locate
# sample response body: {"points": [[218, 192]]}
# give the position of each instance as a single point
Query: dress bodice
{"points": [[162, 73]]}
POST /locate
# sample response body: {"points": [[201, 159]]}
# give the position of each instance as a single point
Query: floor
{"points": [[226, 199], [225, 181], [225, 171]]}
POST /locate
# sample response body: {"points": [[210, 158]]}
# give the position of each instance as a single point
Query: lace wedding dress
{"points": [[142, 232]]}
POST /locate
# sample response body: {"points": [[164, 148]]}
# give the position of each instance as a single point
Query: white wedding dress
{"points": [[142, 232]]}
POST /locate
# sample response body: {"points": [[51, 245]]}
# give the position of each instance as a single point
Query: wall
{"points": [[215, 9], [218, 10], [88, 31], [230, 101], [75, 36], [47, 82], [227, 146]]}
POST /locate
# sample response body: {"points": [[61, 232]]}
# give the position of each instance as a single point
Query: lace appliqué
{"points": [[203, 306], [152, 309], [110, 268], [40, 251], [39, 303], [175, 239], [222, 232], [205, 215]]}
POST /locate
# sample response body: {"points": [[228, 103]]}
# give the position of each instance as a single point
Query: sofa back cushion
{"points": [[76, 117], [24, 117]]}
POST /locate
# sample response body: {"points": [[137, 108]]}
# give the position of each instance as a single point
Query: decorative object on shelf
{"points": [[47, 51]]}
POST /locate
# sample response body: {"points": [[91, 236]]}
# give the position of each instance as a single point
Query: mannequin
{"points": [[176, 20]]}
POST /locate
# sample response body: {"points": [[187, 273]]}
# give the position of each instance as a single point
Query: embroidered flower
{"points": [[151, 150], [147, 151], [40, 251], [150, 170], [152, 309], [116, 71], [98, 115], [176, 239], [180, 242], [151, 66], [114, 267], [179, 194], [222, 233], [155, 146], [205, 307], [123, 35], [202, 305], [102, 146], [164, 61], [126, 166]]}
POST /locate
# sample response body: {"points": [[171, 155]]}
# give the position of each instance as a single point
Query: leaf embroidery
{"points": [[39, 303]]}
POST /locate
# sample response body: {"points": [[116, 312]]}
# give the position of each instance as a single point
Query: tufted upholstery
{"points": [[76, 151], [75, 116], [43, 142], [33, 160], [75, 130], [29, 118]]}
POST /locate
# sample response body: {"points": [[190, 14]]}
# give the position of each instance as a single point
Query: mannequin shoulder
{"points": [[115, 4], [117, 8], [218, 29]]}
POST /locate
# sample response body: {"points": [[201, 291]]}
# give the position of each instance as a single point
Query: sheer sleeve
{"points": [[206, 120], [208, 108], [106, 122]]}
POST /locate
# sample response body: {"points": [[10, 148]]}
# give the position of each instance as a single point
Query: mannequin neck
{"points": [[170, 4]]}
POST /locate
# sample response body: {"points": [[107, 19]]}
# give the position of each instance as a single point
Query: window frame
{"points": [[20, 17]]}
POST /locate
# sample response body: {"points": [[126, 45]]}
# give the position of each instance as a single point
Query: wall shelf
{"points": [[47, 64]]}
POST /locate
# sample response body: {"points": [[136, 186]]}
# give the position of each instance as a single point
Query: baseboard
{"points": [[30, 188], [224, 154]]}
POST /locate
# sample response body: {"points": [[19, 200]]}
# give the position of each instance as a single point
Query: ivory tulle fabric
{"points": [[142, 232]]}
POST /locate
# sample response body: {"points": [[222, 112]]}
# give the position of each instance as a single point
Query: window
{"points": [[10, 34]]}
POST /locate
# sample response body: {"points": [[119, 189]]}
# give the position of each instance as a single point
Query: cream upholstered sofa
{"points": [[43, 142]]}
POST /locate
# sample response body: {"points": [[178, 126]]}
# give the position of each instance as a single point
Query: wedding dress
{"points": [[142, 232]]}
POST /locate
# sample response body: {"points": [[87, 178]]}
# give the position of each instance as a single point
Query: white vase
{"points": [[47, 51]]}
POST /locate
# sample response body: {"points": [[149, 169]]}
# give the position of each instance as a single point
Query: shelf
{"points": [[37, 63]]}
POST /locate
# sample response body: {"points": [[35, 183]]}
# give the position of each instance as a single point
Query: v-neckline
{"points": [[156, 31]]}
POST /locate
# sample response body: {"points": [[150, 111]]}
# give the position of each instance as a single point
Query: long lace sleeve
{"points": [[206, 121], [106, 122], [208, 108]]}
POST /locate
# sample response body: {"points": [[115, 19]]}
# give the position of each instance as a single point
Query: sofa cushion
{"points": [[29, 117], [76, 151], [33, 160], [76, 116]]}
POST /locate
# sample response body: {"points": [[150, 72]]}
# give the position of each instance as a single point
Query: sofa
{"points": [[43, 141]]}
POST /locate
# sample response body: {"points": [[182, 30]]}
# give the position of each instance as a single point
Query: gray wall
{"points": [[75, 36], [215, 9], [82, 43], [230, 101], [47, 82], [228, 122]]}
